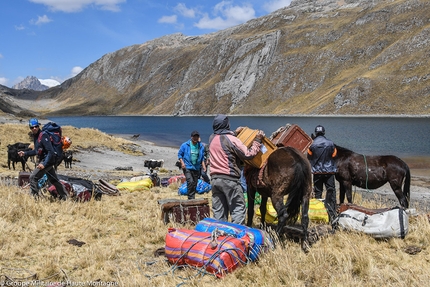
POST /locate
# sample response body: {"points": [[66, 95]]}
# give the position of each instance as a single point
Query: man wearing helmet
{"points": [[45, 158], [321, 155]]}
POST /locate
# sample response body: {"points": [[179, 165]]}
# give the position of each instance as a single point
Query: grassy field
{"points": [[121, 234]]}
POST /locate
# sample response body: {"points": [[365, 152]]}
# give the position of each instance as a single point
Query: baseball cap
{"points": [[195, 133]]}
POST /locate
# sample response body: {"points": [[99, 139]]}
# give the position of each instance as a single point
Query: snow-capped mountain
{"points": [[33, 83]]}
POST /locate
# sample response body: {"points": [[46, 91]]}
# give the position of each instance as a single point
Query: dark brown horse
{"points": [[372, 172], [287, 172]]}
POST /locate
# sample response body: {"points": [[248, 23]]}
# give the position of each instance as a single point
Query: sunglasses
{"points": [[34, 127]]}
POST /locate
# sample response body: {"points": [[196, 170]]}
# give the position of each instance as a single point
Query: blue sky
{"points": [[56, 39]]}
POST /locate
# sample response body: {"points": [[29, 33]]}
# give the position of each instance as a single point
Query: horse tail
{"points": [[406, 186], [298, 187]]}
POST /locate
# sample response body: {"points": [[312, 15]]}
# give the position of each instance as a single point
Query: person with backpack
{"points": [[46, 159]]}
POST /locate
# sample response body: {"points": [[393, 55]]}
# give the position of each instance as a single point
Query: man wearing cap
{"points": [[321, 155], [191, 157]]}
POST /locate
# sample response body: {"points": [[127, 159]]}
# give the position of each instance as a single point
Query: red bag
{"points": [[177, 178], [66, 186], [217, 254]]}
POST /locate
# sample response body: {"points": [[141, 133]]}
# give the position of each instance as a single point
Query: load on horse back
{"points": [[286, 172], [371, 172]]}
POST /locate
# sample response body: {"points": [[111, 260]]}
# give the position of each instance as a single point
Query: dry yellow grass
{"points": [[82, 138], [121, 234], [86, 137]]}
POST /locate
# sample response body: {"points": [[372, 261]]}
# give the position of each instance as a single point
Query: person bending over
{"points": [[226, 152]]}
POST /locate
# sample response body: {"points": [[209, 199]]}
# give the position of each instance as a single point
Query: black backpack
{"points": [[55, 134]]}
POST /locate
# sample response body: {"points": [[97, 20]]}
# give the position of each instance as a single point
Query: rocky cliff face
{"points": [[30, 83], [314, 57]]}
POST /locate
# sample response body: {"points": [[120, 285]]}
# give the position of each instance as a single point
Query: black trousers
{"points": [[330, 199], [52, 177], [192, 177]]}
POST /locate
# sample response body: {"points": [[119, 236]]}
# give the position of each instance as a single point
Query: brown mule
{"points": [[287, 172]]}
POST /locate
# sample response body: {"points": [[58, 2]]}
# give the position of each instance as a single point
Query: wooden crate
{"points": [[247, 136], [184, 211], [23, 178], [294, 137]]}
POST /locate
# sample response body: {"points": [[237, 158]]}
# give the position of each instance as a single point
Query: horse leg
{"points": [[399, 194], [251, 198], [263, 210], [305, 223], [341, 192], [281, 210], [347, 189]]}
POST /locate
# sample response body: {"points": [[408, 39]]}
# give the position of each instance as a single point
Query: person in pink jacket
{"points": [[226, 152]]}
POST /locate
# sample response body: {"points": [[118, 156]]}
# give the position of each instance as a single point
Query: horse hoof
{"points": [[305, 246]]}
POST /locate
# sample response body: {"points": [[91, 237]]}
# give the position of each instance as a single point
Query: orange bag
{"points": [[216, 253]]}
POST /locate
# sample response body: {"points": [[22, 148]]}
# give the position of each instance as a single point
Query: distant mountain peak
{"points": [[33, 83]]}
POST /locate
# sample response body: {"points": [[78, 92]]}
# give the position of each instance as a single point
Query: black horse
{"points": [[372, 172], [287, 172]]}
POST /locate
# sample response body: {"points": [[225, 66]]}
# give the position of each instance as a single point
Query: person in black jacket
{"points": [[321, 155], [46, 159]]}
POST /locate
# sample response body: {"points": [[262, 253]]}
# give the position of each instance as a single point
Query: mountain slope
{"points": [[314, 57]]}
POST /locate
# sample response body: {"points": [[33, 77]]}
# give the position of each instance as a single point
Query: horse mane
{"points": [[343, 151]]}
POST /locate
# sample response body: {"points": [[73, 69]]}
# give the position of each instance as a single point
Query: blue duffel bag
{"points": [[202, 187], [260, 240]]}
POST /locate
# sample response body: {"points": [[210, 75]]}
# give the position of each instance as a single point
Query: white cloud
{"points": [[226, 15], [41, 20], [1, 56], [276, 4], [20, 27], [76, 70], [184, 11], [168, 19], [78, 5], [3, 81]]}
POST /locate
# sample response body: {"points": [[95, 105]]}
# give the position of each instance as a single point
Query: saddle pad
{"points": [[370, 211]]}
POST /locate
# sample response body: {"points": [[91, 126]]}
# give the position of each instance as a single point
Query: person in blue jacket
{"points": [[191, 157], [321, 155], [46, 160]]}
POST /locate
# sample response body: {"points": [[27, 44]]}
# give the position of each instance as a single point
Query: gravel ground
{"points": [[109, 164]]}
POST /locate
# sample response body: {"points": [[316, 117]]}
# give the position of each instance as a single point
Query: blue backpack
{"points": [[55, 134], [202, 187]]}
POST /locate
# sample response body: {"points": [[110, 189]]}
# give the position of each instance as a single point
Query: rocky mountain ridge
{"points": [[313, 57], [30, 83]]}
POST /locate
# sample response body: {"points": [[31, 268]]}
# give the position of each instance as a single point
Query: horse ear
{"points": [[312, 136]]}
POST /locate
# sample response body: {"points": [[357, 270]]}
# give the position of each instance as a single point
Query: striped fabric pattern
{"points": [[216, 254]]}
